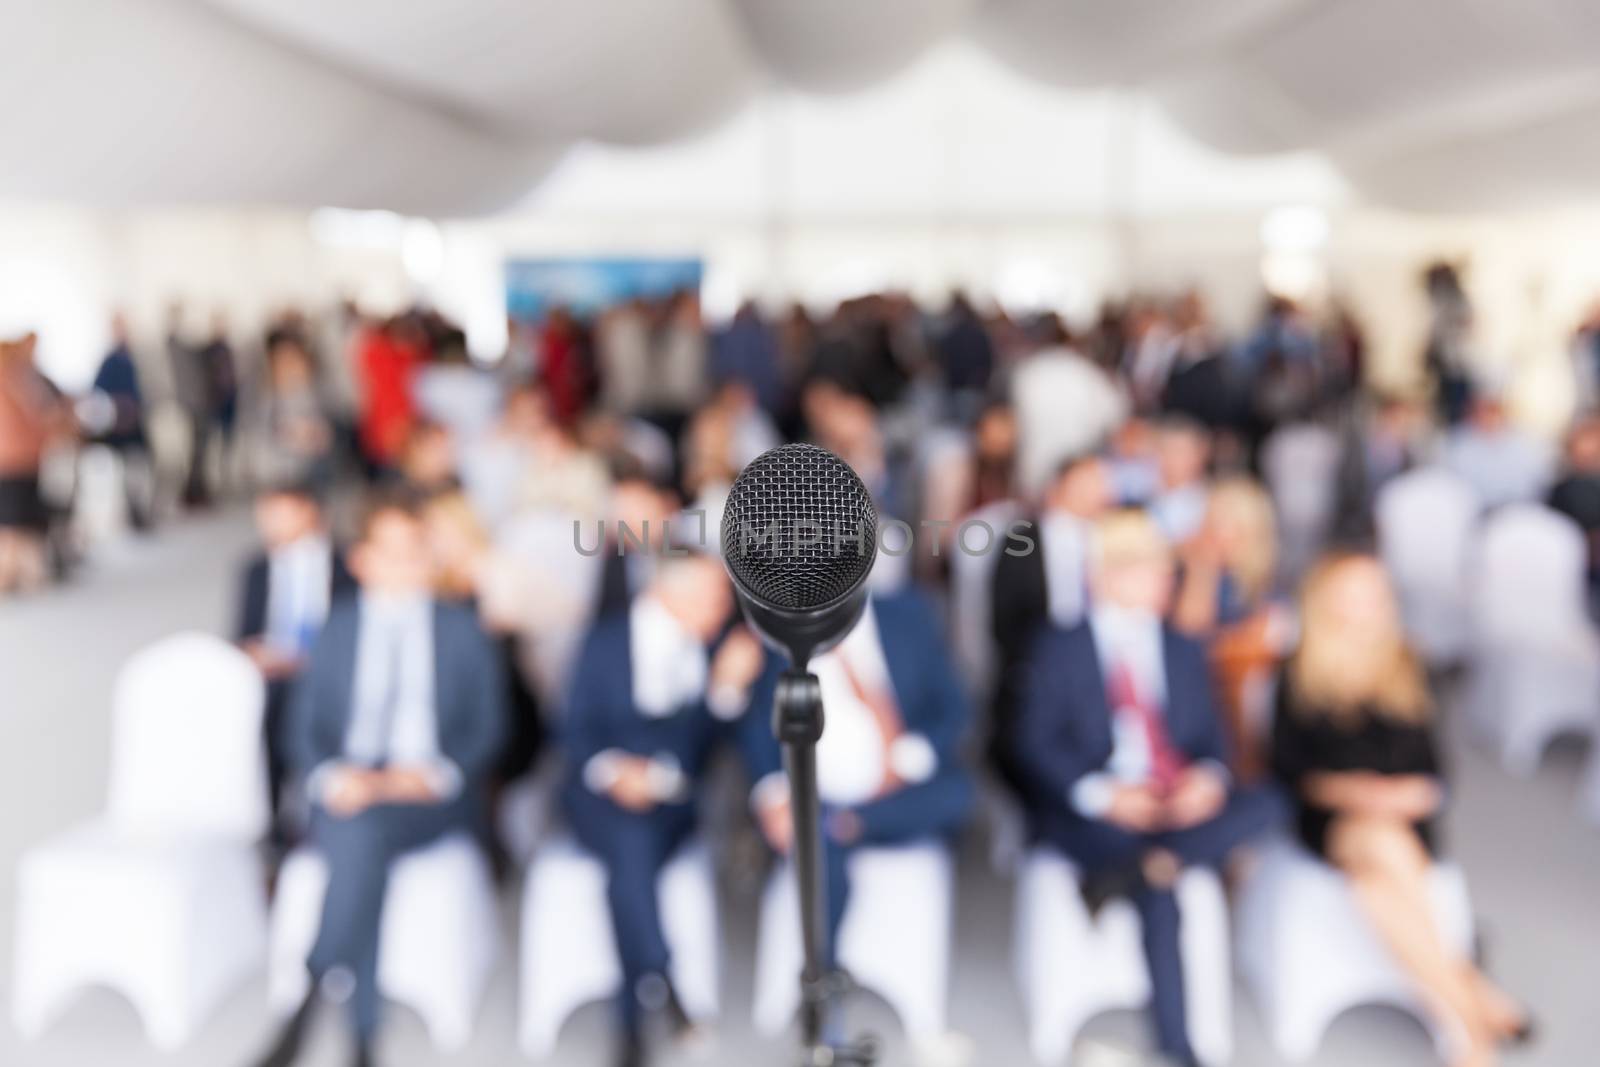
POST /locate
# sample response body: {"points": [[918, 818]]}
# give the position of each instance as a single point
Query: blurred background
{"points": [[1290, 278]]}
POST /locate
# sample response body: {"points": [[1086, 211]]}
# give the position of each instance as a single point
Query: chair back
{"points": [[1301, 465], [186, 744], [1531, 580], [1426, 519]]}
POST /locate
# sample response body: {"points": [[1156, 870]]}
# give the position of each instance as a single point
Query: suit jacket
{"points": [[1063, 728], [601, 713], [469, 692], [255, 588], [931, 699]]}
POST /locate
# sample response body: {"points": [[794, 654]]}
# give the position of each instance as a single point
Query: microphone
{"points": [[799, 537]]}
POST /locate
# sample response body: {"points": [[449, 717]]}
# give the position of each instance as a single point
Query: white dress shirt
{"points": [[670, 669], [853, 762], [393, 713], [1064, 539], [299, 578], [1131, 641]]}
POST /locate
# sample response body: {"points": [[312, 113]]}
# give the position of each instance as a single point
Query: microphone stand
{"points": [[797, 722]]}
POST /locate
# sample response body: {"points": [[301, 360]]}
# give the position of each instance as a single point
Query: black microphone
{"points": [[799, 537]]}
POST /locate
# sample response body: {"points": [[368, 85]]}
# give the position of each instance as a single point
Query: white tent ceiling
{"points": [[461, 107]]}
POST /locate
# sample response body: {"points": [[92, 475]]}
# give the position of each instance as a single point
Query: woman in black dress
{"points": [[1354, 741]]}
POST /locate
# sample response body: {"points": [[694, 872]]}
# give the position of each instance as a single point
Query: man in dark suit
{"points": [[889, 768], [1041, 577], [285, 594], [648, 704], [395, 724], [1123, 755]]}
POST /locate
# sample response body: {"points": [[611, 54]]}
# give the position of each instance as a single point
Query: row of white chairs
{"points": [[1505, 594], [162, 899]]}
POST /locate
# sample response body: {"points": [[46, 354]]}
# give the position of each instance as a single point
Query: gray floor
{"points": [[1534, 868]]}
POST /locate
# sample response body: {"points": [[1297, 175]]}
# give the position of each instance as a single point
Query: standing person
{"points": [[396, 724], [191, 388], [121, 425], [648, 702], [1355, 742], [746, 351], [889, 770], [387, 355], [1124, 755], [27, 410], [222, 394], [285, 593], [290, 433]]}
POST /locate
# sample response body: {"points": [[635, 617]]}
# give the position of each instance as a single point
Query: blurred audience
{"points": [[396, 724], [285, 594], [1355, 742], [649, 700], [1124, 756], [114, 416], [29, 414]]}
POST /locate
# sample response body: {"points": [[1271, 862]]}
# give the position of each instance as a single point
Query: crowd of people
{"points": [[1153, 667]]}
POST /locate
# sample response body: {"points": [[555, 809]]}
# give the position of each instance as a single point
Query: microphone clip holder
{"points": [[797, 723]]}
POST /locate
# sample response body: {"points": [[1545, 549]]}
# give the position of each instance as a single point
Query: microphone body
{"points": [[799, 537]]}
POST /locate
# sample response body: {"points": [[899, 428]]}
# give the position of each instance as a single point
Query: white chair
{"points": [[895, 939], [1536, 669], [1300, 463], [1426, 519], [161, 898], [1307, 954], [569, 954], [439, 941], [1071, 967]]}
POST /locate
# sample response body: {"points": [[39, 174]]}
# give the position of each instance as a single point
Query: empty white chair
{"points": [[895, 939], [569, 953], [1308, 954], [161, 898], [1426, 519], [1536, 669], [1071, 967], [439, 942]]}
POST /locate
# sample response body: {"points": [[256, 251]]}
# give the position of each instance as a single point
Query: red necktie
{"points": [[1166, 762]]}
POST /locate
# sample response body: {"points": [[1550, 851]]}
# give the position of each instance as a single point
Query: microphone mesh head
{"points": [[800, 530]]}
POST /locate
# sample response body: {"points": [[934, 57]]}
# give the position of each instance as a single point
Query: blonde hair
{"points": [[1128, 536], [455, 512], [1332, 674], [1247, 504]]}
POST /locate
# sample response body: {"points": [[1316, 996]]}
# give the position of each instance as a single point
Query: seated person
{"points": [[888, 765], [284, 598], [639, 727], [1354, 740], [1124, 757], [1039, 581], [395, 724]]}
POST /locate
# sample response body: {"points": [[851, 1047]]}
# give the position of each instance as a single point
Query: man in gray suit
{"points": [[394, 726]]}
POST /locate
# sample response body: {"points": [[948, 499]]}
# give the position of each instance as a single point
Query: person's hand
{"points": [[633, 790], [844, 827], [1200, 794], [349, 791], [1411, 796], [777, 824], [1135, 808], [408, 785], [738, 662], [270, 660]]}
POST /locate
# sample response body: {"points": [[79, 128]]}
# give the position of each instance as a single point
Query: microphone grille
{"points": [[800, 530]]}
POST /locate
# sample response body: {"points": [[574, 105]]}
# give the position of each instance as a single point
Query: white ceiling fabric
{"points": [[461, 107]]}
